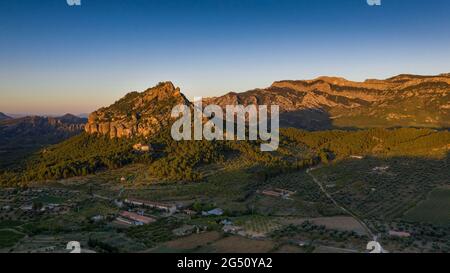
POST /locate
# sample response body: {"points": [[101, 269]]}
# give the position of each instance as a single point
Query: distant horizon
{"points": [[86, 114], [58, 58]]}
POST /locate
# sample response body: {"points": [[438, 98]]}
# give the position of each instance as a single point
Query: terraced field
{"points": [[257, 224]]}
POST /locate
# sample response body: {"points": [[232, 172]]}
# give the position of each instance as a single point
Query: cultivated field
{"points": [[435, 209], [236, 244]]}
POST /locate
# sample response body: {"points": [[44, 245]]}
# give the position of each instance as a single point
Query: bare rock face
{"points": [[318, 104], [137, 114], [327, 102]]}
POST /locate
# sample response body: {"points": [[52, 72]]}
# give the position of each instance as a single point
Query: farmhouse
{"points": [[271, 193], [26, 207], [215, 212], [285, 192], [380, 169], [399, 234], [156, 205], [134, 218], [141, 147], [190, 212], [97, 218], [278, 193]]}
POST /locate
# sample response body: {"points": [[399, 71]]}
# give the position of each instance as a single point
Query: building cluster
{"points": [[168, 208], [136, 214], [35, 202], [401, 234]]}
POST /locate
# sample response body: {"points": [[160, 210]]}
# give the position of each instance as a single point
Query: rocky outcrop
{"points": [[137, 114]]}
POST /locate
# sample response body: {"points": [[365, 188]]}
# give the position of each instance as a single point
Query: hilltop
{"points": [[137, 114]]}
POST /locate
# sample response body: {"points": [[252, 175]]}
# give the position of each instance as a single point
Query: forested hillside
{"points": [[173, 161]]}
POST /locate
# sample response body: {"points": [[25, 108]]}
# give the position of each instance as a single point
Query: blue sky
{"points": [[56, 59]]}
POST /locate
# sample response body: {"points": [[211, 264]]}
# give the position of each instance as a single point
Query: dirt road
{"points": [[328, 195]]}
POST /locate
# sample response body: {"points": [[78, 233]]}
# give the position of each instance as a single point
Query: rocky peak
{"points": [[137, 114], [321, 103]]}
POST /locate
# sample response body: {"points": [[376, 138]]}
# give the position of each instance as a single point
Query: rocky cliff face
{"points": [[326, 102], [137, 114], [322, 103]]}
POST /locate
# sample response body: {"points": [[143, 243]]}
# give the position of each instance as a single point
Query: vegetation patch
{"points": [[435, 209], [9, 238]]}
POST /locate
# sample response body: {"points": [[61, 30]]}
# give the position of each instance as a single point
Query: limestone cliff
{"points": [[328, 102], [137, 114], [318, 104]]}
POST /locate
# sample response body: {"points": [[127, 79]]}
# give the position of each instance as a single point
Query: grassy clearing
{"points": [[257, 224]]}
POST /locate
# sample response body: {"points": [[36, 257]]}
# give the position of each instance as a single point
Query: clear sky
{"points": [[56, 59]]}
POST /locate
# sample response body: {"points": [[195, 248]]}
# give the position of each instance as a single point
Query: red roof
{"points": [[137, 217]]}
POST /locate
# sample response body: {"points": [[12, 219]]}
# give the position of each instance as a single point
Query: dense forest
{"points": [[170, 160]]}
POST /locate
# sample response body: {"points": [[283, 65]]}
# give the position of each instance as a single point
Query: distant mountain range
{"points": [[330, 102], [22, 136], [36, 125], [4, 117], [319, 104]]}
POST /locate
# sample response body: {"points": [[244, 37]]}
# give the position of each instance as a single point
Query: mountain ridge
{"points": [[21, 137], [328, 99], [4, 116], [319, 104]]}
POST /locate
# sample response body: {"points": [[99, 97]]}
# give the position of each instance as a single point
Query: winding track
{"points": [[328, 195]]}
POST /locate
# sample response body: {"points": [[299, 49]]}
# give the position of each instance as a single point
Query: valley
{"points": [[385, 191], [351, 167]]}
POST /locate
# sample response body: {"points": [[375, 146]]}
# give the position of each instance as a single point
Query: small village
{"points": [[45, 218], [36, 204]]}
